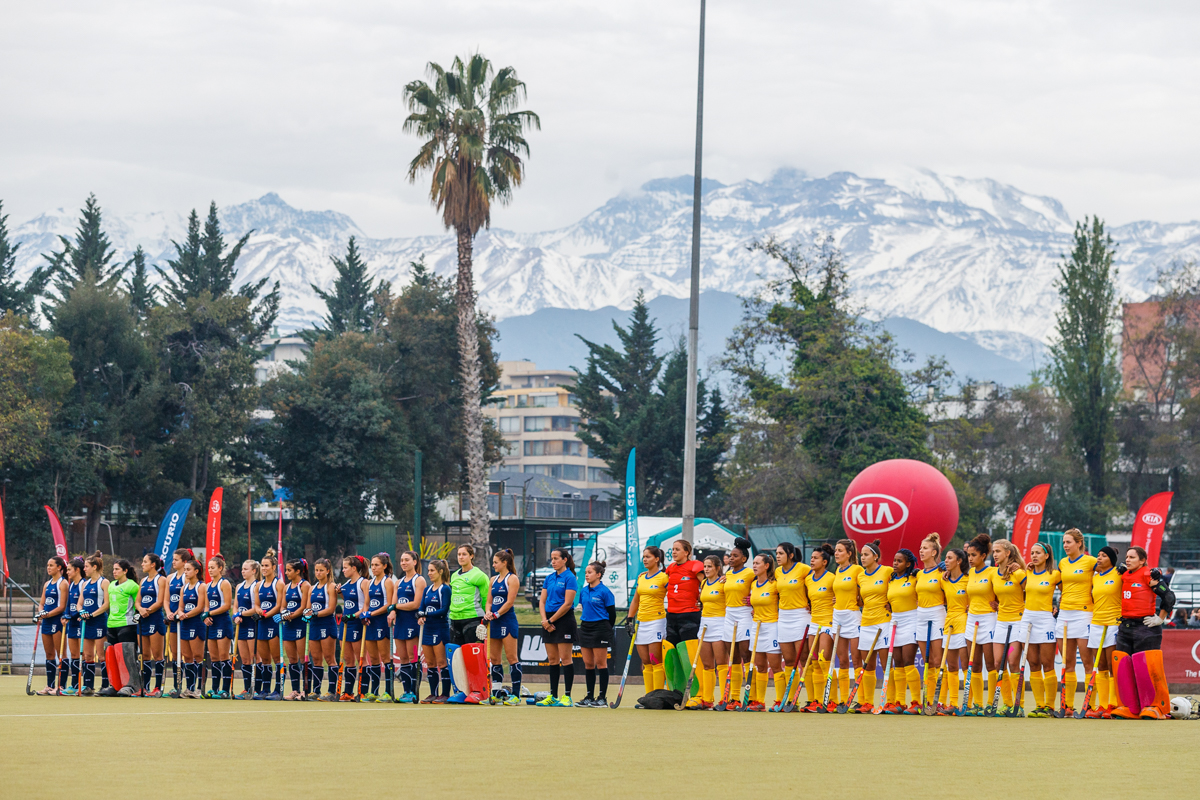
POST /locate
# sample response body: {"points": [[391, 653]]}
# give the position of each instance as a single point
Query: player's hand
{"points": [[1122, 569], [277, 618], [1153, 621]]}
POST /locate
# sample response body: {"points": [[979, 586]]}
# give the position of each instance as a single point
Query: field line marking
{"points": [[154, 713]]}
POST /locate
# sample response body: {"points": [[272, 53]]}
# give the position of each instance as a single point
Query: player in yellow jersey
{"points": [[980, 588], [954, 584], [1106, 599], [738, 615], [847, 616], [764, 600], [712, 627], [902, 599], [873, 580], [1074, 611], [1010, 596], [649, 607], [795, 620], [819, 585], [931, 612], [1040, 580]]}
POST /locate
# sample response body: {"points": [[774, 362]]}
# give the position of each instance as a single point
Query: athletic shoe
{"points": [[892, 708], [513, 700], [428, 699], [549, 701], [70, 691], [564, 702], [697, 704], [273, 696], [853, 708], [754, 705], [866, 708], [173, 694], [407, 698], [1153, 712], [47, 690], [107, 691], [88, 692], [383, 698], [473, 699], [914, 709], [458, 698], [441, 699], [246, 695], [1038, 713], [1094, 713], [811, 708], [127, 691]]}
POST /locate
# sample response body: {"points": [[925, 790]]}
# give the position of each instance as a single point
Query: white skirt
{"points": [[1110, 638], [849, 620], [1043, 626], [1014, 632], [651, 631], [1073, 624], [741, 618], [866, 636], [795, 624], [934, 614], [909, 630], [712, 628], [768, 637], [987, 626]]}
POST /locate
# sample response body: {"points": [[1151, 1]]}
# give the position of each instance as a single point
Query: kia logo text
{"points": [[1152, 519], [874, 513]]}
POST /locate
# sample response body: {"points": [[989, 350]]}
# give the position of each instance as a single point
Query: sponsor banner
{"points": [[632, 550], [1181, 655], [169, 529], [56, 528], [212, 541], [531, 650], [1149, 523], [1029, 518]]}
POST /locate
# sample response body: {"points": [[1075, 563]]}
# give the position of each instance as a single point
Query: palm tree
{"points": [[473, 143]]}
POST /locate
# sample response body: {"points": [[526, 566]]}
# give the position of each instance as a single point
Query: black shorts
{"points": [[597, 633], [681, 627], [1134, 637], [125, 633], [462, 631], [564, 632]]}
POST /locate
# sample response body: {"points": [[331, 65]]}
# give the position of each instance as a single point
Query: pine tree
{"points": [[351, 306], [141, 293], [1084, 367], [90, 254], [14, 297]]}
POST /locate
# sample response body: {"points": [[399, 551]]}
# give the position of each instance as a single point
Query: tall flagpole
{"points": [[689, 444]]}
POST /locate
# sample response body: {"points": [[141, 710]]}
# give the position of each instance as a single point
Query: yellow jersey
{"points": [[792, 592], [980, 589], [1010, 593], [929, 588], [902, 593], [764, 597], [820, 596], [712, 598], [845, 587], [737, 587], [1039, 590], [956, 603], [1076, 578], [652, 596], [873, 586], [1106, 594]]}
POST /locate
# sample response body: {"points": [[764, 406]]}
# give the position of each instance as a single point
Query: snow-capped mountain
{"points": [[975, 257]]}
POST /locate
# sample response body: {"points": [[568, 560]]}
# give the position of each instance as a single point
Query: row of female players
{"points": [[961, 613], [179, 619]]}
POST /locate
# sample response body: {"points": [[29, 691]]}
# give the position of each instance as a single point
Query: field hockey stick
{"points": [[1019, 699], [337, 695], [990, 711], [37, 631], [824, 709], [966, 697], [1091, 684], [1062, 684], [746, 681], [204, 665], [362, 656], [179, 683], [233, 655], [844, 707], [729, 670], [787, 691], [887, 672], [62, 651], [931, 706], [812, 649], [687, 684], [628, 661]]}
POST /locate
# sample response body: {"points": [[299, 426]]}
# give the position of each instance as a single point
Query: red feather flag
{"points": [[212, 541], [1149, 523], [1029, 519]]}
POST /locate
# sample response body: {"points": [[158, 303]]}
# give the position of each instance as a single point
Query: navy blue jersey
{"points": [[293, 598], [353, 598], [595, 602], [557, 585], [435, 605], [406, 591], [52, 594], [149, 594], [266, 596], [499, 593], [73, 598], [174, 586], [376, 595], [244, 599], [216, 599], [189, 596], [91, 601], [318, 599]]}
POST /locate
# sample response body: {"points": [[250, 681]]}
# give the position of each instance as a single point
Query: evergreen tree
{"points": [[352, 305], [90, 253], [14, 297], [141, 293], [1084, 367]]}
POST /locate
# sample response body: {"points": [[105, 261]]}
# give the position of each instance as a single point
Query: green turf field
{"points": [[60, 746]]}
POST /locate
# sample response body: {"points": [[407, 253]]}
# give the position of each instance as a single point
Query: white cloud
{"points": [[168, 105]]}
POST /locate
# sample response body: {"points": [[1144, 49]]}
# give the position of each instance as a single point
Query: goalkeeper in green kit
{"points": [[468, 597]]}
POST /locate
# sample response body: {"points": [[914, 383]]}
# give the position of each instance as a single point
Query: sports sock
{"points": [[515, 674], [496, 676], [191, 673], [589, 679], [787, 676], [348, 680], [447, 686], [146, 670], [708, 680], [556, 671], [318, 678], [820, 678], [1103, 681], [780, 684], [1071, 681], [294, 676], [1038, 685], [810, 681], [977, 687], [1050, 680], [375, 672], [1008, 688], [891, 689], [217, 674], [258, 678], [602, 676], [735, 683], [64, 672], [660, 676], [569, 678], [843, 684], [389, 677], [51, 672], [333, 678], [900, 679], [913, 676], [721, 671], [991, 686], [89, 674], [930, 683], [866, 692], [647, 677], [760, 686], [431, 675], [950, 689], [103, 678]]}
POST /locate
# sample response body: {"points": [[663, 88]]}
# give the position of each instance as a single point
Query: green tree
{"points": [[357, 302], [142, 296], [35, 376], [839, 399], [90, 253], [1084, 368], [15, 297], [473, 142]]}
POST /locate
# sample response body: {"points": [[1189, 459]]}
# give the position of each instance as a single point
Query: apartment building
{"points": [[538, 416]]}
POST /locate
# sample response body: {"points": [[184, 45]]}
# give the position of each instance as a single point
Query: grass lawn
{"points": [[87, 747]]}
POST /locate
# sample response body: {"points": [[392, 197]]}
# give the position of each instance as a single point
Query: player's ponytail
{"points": [[300, 567], [386, 561], [506, 558], [743, 546], [565, 554], [874, 548], [981, 544]]}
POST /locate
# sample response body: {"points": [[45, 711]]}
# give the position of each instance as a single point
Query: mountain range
{"points": [[972, 257]]}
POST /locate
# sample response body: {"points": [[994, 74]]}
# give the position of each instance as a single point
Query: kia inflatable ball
{"points": [[899, 502]]}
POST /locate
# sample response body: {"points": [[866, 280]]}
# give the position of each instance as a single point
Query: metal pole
{"points": [[689, 443]]}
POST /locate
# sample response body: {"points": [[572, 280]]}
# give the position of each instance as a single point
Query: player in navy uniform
{"points": [[219, 629], [268, 603], [73, 630], [93, 610], [322, 629], [152, 627], [174, 587], [435, 630], [54, 603], [295, 624], [193, 605], [503, 592], [406, 630], [381, 601], [245, 625], [354, 600]]}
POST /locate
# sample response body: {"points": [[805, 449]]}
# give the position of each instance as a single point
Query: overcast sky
{"points": [[163, 106]]}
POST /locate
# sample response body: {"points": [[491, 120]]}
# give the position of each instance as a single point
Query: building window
{"points": [[553, 448], [564, 472], [510, 424], [537, 423], [564, 424], [543, 400], [598, 475], [572, 400]]}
